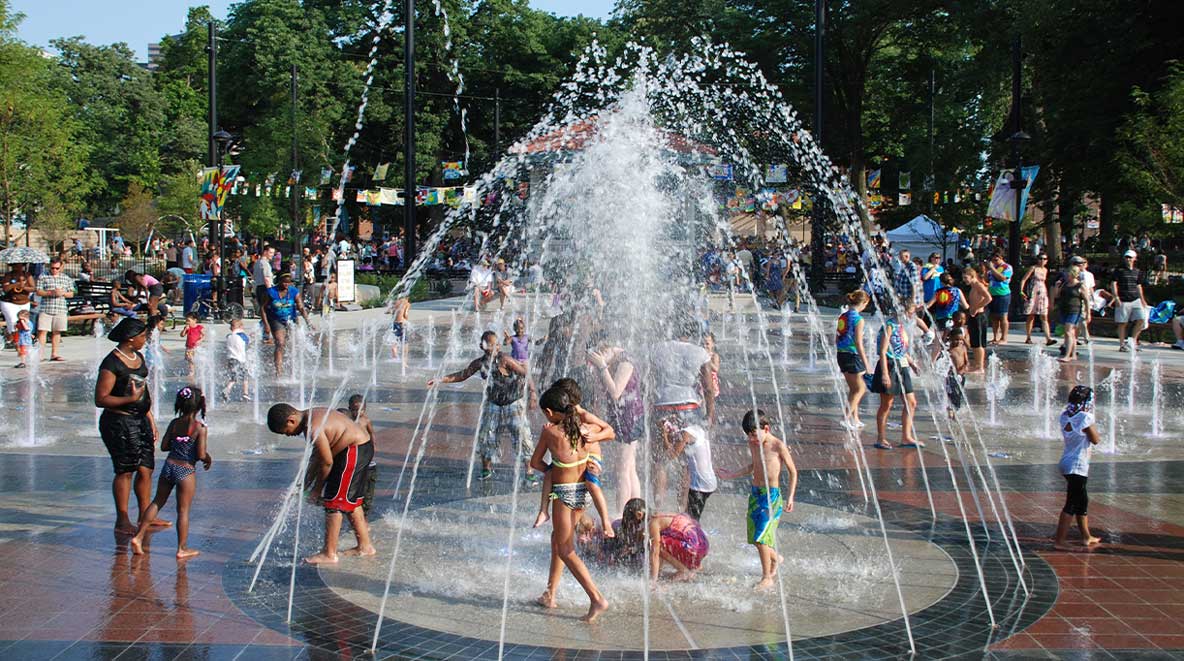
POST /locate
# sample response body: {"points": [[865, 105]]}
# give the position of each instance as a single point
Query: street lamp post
{"points": [[1018, 184]]}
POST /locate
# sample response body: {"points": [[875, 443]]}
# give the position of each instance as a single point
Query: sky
{"points": [[138, 22]]}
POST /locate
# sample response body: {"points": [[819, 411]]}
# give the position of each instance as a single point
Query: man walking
{"points": [[1129, 302], [53, 288]]}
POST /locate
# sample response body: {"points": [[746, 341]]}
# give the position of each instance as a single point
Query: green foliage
{"points": [[177, 198], [1152, 139], [137, 214]]}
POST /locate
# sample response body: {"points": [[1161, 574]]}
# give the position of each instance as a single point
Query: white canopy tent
{"points": [[923, 236]]}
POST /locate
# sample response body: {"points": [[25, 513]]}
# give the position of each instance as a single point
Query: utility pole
{"points": [[212, 52], [816, 229], [298, 263], [497, 124], [409, 188], [1017, 182]]}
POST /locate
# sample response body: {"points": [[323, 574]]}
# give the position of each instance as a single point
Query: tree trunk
{"points": [[1067, 212], [1052, 234], [1106, 219]]}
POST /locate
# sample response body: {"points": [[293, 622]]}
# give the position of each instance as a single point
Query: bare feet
{"points": [[765, 584], [542, 518], [358, 551], [321, 559], [1091, 541], [124, 528], [182, 554], [1065, 359], [609, 533], [160, 523], [137, 546], [595, 610], [683, 576], [547, 600]]}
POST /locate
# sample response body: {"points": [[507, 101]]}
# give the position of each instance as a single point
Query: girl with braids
{"points": [[185, 441], [564, 439]]}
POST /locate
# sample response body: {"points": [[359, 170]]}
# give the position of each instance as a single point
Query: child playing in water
{"points": [[701, 482], [24, 335], [893, 378], [520, 350], [956, 379], [713, 371], [769, 455], [185, 441], [399, 309], [155, 353], [237, 342], [341, 452], [1080, 435], [193, 334], [594, 430]]}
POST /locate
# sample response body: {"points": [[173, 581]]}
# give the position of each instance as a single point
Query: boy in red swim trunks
{"points": [[341, 454]]}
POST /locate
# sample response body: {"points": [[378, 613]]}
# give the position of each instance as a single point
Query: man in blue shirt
{"points": [[280, 313]]}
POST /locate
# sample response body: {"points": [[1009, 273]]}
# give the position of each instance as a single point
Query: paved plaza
{"points": [[71, 589]]}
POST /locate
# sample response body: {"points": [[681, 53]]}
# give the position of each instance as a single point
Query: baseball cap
{"points": [[1130, 253], [1077, 259]]}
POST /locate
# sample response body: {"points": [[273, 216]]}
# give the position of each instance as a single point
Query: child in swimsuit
{"points": [[520, 350], [185, 441], [399, 309], [594, 431], [24, 335], [709, 345]]}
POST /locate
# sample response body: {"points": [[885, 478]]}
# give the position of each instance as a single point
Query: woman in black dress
{"points": [[126, 425]]}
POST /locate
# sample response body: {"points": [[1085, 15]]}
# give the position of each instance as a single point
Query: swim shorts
{"points": [[346, 484], [397, 329], [764, 513], [129, 441]]}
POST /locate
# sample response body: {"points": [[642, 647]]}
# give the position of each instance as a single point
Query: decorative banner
{"points": [[360, 197], [349, 174], [904, 199], [433, 196], [452, 197], [470, 195], [310, 192], [326, 176], [215, 186], [337, 195], [792, 198], [777, 173], [905, 181], [873, 179], [1172, 214], [720, 171], [258, 190], [345, 281], [452, 170], [287, 192], [269, 181], [294, 178], [1002, 204], [380, 171], [875, 203], [389, 196], [374, 197]]}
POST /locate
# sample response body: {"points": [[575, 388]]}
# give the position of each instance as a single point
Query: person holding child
{"points": [[185, 441]]}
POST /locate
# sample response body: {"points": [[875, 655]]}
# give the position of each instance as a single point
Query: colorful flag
{"points": [[349, 174], [389, 196], [793, 198], [905, 180], [360, 197], [904, 199], [294, 177], [873, 179], [1002, 205], [215, 186], [452, 170], [433, 196], [777, 173], [452, 197], [337, 195], [258, 190], [380, 171], [470, 195], [720, 171], [326, 176], [374, 197], [310, 192]]}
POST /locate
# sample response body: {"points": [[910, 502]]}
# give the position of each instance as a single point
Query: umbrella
{"points": [[23, 255]]}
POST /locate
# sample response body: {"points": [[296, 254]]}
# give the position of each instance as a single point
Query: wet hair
{"points": [[155, 320], [193, 316], [633, 520], [857, 297], [519, 322], [572, 388], [190, 400], [1081, 398], [754, 420], [559, 401], [356, 400], [277, 416], [487, 335], [955, 332]]}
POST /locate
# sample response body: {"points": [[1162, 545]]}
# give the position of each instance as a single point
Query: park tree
{"points": [[137, 215], [121, 114], [1151, 157], [177, 199], [182, 81], [41, 155]]}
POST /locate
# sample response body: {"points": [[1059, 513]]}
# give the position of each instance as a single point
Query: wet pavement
{"points": [[70, 589]]}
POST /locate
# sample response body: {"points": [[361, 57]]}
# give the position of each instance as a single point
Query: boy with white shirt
{"points": [[237, 342], [692, 443]]}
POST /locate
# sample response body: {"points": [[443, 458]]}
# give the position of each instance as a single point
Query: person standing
{"points": [[53, 288], [999, 275], [280, 314], [262, 274], [126, 424], [1129, 301], [1090, 285], [681, 370], [931, 274], [1072, 304], [978, 299], [850, 355], [18, 289], [188, 256], [1036, 299]]}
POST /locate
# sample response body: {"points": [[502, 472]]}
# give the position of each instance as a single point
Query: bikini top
{"points": [[556, 462], [184, 448]]}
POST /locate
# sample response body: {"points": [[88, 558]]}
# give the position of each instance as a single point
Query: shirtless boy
{"points": [[977, 322], [341, 452], [399, 308], [769, 454]]}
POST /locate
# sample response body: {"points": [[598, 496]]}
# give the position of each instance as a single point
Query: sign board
{"points": [[345, 280]]}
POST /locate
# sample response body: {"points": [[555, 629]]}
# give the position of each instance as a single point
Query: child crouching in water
{"points": [[594, 430], [185, 441], [1080, 435]]}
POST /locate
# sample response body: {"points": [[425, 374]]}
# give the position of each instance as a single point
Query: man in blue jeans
{"points": [[999, 284]]}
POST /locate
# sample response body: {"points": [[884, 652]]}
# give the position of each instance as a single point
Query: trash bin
{"points": [[196, 287]]}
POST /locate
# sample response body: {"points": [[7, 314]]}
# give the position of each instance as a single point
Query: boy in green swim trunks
{"points": [[765, 504]]}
